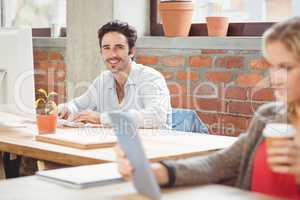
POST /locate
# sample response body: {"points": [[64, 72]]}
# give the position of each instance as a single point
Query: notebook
{"points": [[83, 176]]}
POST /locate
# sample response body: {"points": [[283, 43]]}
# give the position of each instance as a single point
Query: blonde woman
{"points": [[244, 162]]}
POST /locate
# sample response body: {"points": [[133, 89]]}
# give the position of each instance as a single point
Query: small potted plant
{"points": [[176, 17], [46, 118], [217, 25]]}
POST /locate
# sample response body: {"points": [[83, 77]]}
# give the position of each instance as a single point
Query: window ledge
{"points": [[49, 42], [150, 42], [238, 43]]}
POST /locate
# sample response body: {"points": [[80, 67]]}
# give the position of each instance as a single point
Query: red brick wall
{"points": [[50, 71], [221, 85]]}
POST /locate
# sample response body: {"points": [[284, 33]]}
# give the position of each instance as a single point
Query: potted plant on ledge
{"points": [[217, 25], [176, 17], [46, 118]]}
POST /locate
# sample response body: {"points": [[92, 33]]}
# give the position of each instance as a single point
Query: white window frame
{"points": [[259, 13], [255, 11], [295, 6], [56, 18]]}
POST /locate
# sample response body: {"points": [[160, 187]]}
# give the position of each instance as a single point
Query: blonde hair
{"points": [[288, 34]]}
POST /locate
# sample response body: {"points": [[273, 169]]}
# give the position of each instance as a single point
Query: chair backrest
{"points": [[187, 120]]}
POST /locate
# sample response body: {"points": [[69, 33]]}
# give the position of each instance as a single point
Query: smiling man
{"points": [[125, 86]]}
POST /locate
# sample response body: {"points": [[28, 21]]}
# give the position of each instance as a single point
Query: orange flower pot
{"points": [[176, 17], [217, 26], [46, 123]]}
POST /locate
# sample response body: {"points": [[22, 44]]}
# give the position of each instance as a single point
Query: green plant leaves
{"points": [[50, 105]]}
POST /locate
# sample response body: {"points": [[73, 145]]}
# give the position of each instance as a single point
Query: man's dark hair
{"points": [[121, 27]]}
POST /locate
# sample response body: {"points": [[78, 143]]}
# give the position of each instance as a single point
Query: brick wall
{"points": [[50, 71], [223, 86]]}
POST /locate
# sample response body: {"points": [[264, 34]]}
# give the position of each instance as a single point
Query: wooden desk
{"points": [[29, 188], [159, 145]]}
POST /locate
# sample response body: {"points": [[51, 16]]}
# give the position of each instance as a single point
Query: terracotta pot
{"points": [[176, 17], [46, 123], [217, 26]]}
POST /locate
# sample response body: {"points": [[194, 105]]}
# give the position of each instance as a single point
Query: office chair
{"points": [[187, 120]]}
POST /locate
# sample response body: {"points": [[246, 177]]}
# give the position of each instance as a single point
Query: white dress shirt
{"points": [[146, 96]]}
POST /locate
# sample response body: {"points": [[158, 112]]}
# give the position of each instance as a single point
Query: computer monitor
{"points": [[17, 94]]}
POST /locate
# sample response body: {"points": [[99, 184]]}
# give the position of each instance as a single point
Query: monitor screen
{"points": [[17, 92]]}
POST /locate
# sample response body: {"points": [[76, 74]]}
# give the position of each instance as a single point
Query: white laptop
{"points": [[83, 176]]}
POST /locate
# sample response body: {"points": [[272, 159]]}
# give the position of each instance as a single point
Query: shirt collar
{"points": [[132, 77], [133, 74]]}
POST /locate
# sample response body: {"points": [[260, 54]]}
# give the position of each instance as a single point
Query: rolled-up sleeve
{"points": [[86, 101]]}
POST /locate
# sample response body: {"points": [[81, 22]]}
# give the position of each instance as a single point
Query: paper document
{"points": [[6, 123], [68, 123], [11, 120], [64, 122], [11, 125], [83, 176]]}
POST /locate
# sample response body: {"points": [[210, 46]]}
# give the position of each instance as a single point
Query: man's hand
{"points": [[87, 116], [64, 113]]}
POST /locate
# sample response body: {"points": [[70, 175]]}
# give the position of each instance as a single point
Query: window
{"points": [[247, 17], [42, 15]]}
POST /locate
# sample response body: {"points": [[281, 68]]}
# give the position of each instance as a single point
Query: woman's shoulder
{"points": [[271, 109], [270, 113]]}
